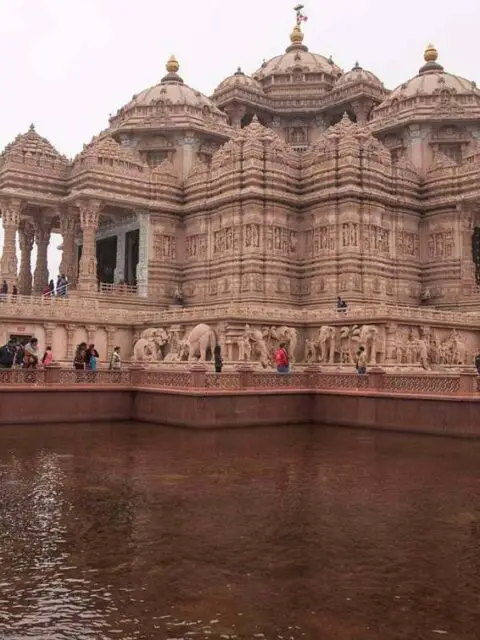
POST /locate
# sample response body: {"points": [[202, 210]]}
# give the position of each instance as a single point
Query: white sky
{"points": [[65, 65]]}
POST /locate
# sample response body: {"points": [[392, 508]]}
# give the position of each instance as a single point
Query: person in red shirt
{"points": [[282, 360]]}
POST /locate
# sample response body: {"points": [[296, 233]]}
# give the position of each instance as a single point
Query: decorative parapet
{"points": [[198, 378]]}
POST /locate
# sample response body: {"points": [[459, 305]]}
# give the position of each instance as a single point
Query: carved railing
{"points": [[118, 289], [245, 379]]}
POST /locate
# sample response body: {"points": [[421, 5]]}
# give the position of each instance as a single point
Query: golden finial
{"points": [[172, 65], [431, 54], [296, 37]]}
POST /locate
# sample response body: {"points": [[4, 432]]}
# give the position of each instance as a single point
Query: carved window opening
{"points": [[154, 158], [453, 151], [476, 253]]}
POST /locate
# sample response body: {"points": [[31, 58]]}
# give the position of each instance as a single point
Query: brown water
{"points": [[130, 531]]}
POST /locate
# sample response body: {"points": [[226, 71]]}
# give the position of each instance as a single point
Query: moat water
{"points": [[130, 531]]}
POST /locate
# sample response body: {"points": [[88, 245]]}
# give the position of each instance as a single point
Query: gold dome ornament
{"points": [[431, 54], [296, 37], [172, 65]]}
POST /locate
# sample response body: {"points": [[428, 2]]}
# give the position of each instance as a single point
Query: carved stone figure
{"points": [[201, 342], [325, 342], [366, 336], [275, 336], [149, 347]]}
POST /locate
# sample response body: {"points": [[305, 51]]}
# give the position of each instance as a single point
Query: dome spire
{"points": [[430, 56], [172, 68], [296, 37]]}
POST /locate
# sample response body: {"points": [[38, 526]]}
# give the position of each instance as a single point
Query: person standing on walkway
{"points": [[361, 361], [282, 360]]}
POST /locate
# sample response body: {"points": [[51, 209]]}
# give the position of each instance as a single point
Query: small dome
{"points": [[31, 150], [170, 91], [431, 80], [358, 75], [238, 80]]}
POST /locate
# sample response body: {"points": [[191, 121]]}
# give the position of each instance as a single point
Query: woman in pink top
{"points": [[47, 357]]}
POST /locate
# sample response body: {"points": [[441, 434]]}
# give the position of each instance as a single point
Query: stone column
{"points": [[42, 240], [49, 331], [11, 210], [143, 254], [68, 228], [26, 238], [89, 217], [91, 331], [71, 328], [120, 263], [111, 333]]}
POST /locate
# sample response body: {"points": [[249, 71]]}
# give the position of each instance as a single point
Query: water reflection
{"points": [[129, 531]]}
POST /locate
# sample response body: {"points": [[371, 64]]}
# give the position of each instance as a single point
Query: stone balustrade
{"points": [[245, 378]]}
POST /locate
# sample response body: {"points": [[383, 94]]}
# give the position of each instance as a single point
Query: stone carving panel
{"points": [[408, 244], [164, 247], [320, 240], [441, 245], [226, 240], [281, 240], [252, 236], [196, 247], [376, 239], [349, 234]]}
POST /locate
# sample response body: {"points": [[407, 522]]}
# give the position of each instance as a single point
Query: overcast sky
{"points": [[65, 65]]}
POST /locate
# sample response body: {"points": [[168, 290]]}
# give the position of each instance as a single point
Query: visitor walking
{"points": [[282, 360], [47, 357], [341, 305], [7, 355], [218, 360], [115, 359], [4, 291], [30, 358], [361, 363], [91, 357], [79, 358], [477, 363]]}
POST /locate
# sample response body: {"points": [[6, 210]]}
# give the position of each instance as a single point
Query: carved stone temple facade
{"points": [[285, 189]]}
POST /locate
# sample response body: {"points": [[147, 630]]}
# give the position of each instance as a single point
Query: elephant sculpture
{"points": [[366, 336], [287, 335], [259, 348], [201, 342], [149, 347], [325, 342]]}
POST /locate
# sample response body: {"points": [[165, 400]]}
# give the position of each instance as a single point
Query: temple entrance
{"points": [[476, 253], [132, 244], [106, 259]]}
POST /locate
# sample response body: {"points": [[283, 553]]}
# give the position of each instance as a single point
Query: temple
{"points": [[283, 190]]}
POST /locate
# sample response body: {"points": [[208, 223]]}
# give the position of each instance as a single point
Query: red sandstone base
{"points": [[440, 415]]}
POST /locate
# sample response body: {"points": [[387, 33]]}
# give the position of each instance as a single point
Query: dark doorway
{"points": [[106, 259], [476, 253], [132, 246], [22, 338]]}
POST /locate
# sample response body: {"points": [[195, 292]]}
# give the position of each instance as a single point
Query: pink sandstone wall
{"points": [[440, 415]]}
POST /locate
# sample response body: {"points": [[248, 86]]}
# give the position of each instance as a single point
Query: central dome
{"points": [[298, 63]]}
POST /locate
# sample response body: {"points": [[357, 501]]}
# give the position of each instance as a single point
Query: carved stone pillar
{"points": [[11, 210], [91, 331], [89, 217], [120, 259], [143, 257], [49, 331], [42, 240], [111, 333], [68, 228], [362, 109], [26, 238], [71, 328]]}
